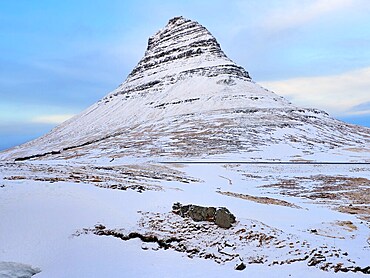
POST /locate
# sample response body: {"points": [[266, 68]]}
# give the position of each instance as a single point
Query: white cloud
{"points": [[362, 108], [51, 119], [337, 94], [302, 12]]}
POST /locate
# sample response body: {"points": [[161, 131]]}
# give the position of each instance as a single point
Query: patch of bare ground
{"points": [[346, 194], [298, 158], [289, 184], [338, 229], [358, 150], [134, 177], [260, 200], [236, 167], [347, 225], [247, 241], [363, 212]]}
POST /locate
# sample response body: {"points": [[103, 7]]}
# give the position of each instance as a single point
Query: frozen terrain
{"points": [[99, 195], [76, 220]]}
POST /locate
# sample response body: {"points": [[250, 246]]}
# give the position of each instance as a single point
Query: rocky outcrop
{"points": [[246, 242], [222, 217]]}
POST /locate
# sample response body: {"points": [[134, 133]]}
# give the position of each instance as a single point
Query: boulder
{"points": [[240, 266], [198, 213], [222, 217]]}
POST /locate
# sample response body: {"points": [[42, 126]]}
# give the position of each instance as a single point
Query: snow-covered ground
{"points": [[48, 214], [17, 270]]}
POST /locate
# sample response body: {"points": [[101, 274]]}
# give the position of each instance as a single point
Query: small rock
{"points": [[144, 246], [240, 266], [100, 227]]}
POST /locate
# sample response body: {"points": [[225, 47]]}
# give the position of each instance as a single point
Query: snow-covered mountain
{"points": [[186, 98]]}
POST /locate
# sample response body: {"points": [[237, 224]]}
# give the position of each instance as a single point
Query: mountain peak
{"points": [[181, 32], [186, 98], [177, 20], [182, 45]]}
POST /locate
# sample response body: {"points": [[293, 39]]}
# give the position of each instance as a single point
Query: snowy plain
{"points": [[39, 221]]}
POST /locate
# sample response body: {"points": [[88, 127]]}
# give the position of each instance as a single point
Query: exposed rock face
{"points": [[186, 98], [222, 217], [245, 243], [181, 43]]}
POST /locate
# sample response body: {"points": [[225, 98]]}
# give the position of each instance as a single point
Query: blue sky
{"points": [[59, 57]]}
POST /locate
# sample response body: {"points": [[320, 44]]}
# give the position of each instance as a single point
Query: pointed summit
{"points": [[182, 45], [186, 98], [180, 33], [185, 38]]}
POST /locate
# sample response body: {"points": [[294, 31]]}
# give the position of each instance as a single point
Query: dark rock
{"points": [[222, 217], [198, 213], [100, 227], [240, 266], [366, 270], [316, 259]]}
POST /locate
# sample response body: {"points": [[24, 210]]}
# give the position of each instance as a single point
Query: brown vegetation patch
{"points": [[358, 150], [345, 194], [123, 177], [347, 225], [338, 229], [360, 196], [260, 200], [291, 184], [363, 212]]}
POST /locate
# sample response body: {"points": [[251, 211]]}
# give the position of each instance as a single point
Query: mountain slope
{"points": [[185, 98]]}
